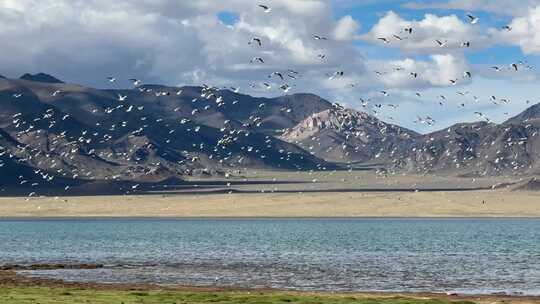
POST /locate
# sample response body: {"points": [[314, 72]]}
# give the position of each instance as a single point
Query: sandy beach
{"points": [[485, 203]]}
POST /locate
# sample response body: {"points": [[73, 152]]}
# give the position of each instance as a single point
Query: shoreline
{"points": [[256, 218], [10, 279], [443, 204]]}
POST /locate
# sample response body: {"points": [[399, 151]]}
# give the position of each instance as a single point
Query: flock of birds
{"points": [[63, 146]]}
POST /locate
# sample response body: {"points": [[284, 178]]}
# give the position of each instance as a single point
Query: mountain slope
{"points": [[530, 116], [80, 132], [152, 133], [342, 135]]}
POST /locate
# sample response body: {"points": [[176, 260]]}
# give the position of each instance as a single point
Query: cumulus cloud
{"points": [[449, 30], [502, 7], [172, 42], [525, 32], [346, 29], [440, 71]]}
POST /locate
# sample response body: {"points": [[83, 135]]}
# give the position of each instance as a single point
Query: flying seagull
{"points": [[256, 59], [514, 66], [136, 82], [255, 39], [441, 43], [472, 19], [267, 9], [276, 74]]}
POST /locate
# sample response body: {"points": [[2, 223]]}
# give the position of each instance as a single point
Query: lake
{"points": [[365, 254]]}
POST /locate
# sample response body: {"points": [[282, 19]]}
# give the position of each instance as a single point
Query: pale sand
{"points": [[498, 203]]}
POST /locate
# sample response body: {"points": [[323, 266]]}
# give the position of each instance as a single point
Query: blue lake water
{"points": [[462, 255]]}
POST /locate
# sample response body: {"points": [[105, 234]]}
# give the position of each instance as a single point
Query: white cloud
{"points": [[450, 30], [173, 42], [346, 29], [525, 32], [502, 7], [436, 72]]}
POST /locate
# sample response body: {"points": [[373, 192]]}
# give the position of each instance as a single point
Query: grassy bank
{"points": [[34, 295]]}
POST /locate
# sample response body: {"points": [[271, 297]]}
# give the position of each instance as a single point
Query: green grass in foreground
{"points": [[61, 296]]}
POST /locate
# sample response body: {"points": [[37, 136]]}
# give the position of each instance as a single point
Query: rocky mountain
{"points": [[148, 134], [41, 77], [476, 149], [53, 132], [349, 136], [531, 117]]}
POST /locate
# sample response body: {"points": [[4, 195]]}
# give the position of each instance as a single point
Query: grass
{"points": [[35, 295]]}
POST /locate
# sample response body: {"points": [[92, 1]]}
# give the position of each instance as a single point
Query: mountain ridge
{"points": [[152, 133]]}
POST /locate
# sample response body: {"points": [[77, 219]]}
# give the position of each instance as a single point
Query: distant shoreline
{"points": [[442, 204], [257, 218]]}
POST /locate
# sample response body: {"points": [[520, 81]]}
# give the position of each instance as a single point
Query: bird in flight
{"points": [[276, 74], [254, 59], [441, 43], [472, 19], [267, 9], [136, 82], [255, 39]]}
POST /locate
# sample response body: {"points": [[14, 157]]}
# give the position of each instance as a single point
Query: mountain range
{"points": [[56, 133]]}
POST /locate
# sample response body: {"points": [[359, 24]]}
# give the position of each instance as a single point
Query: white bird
{"points": [[256, 59], [514, 66], [267, 9], [441, 43], [136, 82], [276, 74], [336, 74], [122, 97], [255, 39], [111, 79], [473, 19], [317, 37], [285, 88]]}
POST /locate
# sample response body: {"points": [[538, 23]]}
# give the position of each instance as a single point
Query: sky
{"points": [[404, 78]]}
